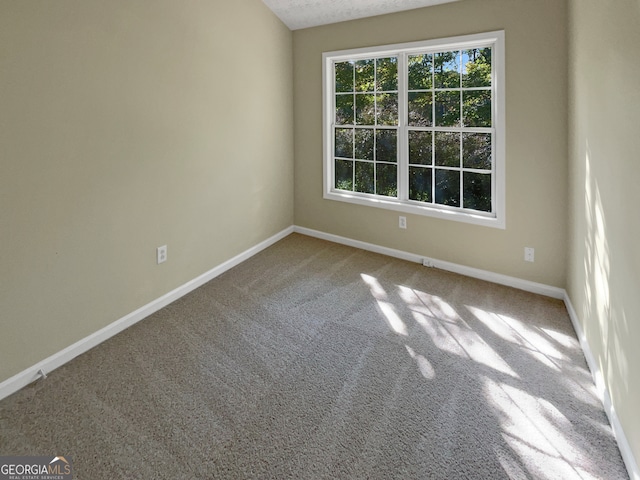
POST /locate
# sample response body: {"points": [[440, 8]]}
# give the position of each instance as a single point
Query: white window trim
{"points": [[495, 219]]}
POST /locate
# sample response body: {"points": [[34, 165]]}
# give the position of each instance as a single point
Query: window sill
{"points": [[487, 220]]}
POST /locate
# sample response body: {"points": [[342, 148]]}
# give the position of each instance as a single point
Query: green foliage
{"points": [[420, 148], [364, 143], [344, 142], [477, 108], [365, 75], [344, 109], [446, 66], [386, 145], [448, 187], [420, 71], [477, 191], [447, 146], [344, 77], [477, 71], [387, 108], [448, 108], [420, 107], [387, 74], [365, 109], [344, 174], [386, 179], [476, 150], [364, 177], [420, 182]]}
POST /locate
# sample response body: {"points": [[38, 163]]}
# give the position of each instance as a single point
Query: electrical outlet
{"points": [[161, 254], [529, 253], [402, 222]]}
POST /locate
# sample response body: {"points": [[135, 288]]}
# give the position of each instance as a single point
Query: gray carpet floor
{"points": [[315, 360]]}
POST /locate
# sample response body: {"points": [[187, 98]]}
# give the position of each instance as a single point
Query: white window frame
{"points": [[495, 39]]}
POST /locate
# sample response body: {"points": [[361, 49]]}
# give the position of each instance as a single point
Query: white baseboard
{"points": [[520, 284], [603, 393], [24, 378], [514, 282], [358, 244]]}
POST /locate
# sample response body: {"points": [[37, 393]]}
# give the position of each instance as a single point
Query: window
{"points": [[418, 127]]}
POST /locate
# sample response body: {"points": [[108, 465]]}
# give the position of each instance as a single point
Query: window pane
{"points": [[420, 72], [387, 74], [477, 108], [420, 184], [365, 75], [447, 70], [476, 67], [448, 187], [344, 77], [447, 149], [386, 179], [477, 191], [364, 143], [387, 108], [476, 150], [365, 106], [344, 142], [419, 108], [420, 148], [448, 109], [344, 109], [364, 177], [386, 145], [344, 175]]}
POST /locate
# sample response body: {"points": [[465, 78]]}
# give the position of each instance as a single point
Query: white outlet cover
{"points": [[161, 254], [529, 254]]}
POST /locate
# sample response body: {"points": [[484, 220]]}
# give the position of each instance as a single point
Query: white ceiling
{"points": [[298, 14]]}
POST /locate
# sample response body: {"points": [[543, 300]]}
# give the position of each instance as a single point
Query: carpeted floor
{"points": [[316, 360]]}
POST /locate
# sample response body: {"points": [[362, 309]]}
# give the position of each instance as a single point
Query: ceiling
{"points": [[298, 14]]}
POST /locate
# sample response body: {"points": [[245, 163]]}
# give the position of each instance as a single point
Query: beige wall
{"points": [[604, 158], [125, 126], [536, 144]]}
